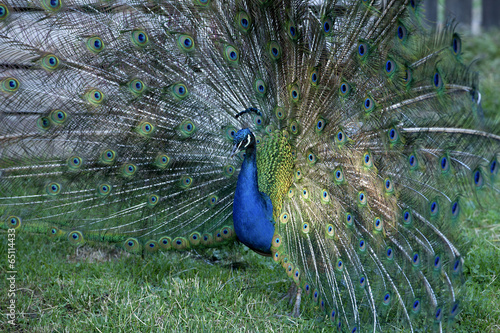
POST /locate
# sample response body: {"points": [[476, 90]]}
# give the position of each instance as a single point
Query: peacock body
{"points": [[357, 138]]}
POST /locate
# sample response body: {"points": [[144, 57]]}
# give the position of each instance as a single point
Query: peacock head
{"points": [[243, 140]]}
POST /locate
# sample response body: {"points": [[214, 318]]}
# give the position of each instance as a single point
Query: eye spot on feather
{"points": [[368, 104], [94, 96], [280, 114], [151, 246], [295, 93], [330, 231], [258, 121], [320, 125], [413, 161], [416, 306], [434, 208], [362, 198], [292, 31], [53, 189], [260, 87], [186, 43], [9, 85], [95, 45], [52, 5], [362, 245], [416, 259], [187, 128], [50, 62], [438, 81], [311, 158], [294, 127], [367, 160], [152, 200], [327, 26], [4, 12], [456, 44], [390, 67], [314, 77], [305, 194], [274, 50], [325, 196], [296, 275], [349, 220], [437, 262], [139, 38], [478, 179], [232, 55], [344, 89], [455, 209], [13, 222], [128, 170], [494, 167], [305, 228], [340, 137], [387, 298], [75, 162], [162, 161], [339, 176], [186, 182], [444, 163], [362, 48], [244, 21], [362, 282], [58, 117], [401, 32], [389, 252], [439, 315], [165, 243], [389, 186], [104, 190], [76, 238], [43, 123], [407, 217], [393, 135], [132, 245], [454, 309], [276, 241], [137, 87]]}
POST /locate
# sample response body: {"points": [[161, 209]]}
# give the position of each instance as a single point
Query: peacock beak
{"points": [[236, 149]]}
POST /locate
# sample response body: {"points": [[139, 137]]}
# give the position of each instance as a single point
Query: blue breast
{"points": [[252, 210]]}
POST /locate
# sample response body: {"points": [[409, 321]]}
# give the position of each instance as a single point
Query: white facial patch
{"points": [[248, 138]]}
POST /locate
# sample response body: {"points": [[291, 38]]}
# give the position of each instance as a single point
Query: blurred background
{"points": [[475, 16], [478, 22]]}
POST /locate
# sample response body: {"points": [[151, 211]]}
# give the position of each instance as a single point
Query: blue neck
{"points": [[252, 210]]}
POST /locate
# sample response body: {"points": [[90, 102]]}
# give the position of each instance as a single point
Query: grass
{"points": [[100, 288], [61, 288]]}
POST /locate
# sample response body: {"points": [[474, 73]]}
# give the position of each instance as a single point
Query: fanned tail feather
{"points": [[118, 119]]}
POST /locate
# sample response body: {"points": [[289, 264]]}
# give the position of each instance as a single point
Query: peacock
{"points": [[341, 138]]}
